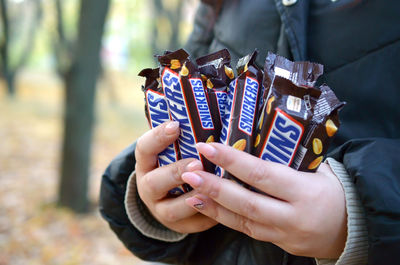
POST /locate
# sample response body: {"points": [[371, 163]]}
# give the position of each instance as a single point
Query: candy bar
{"points": [[156, 110], [288, 112], [187, 102], [240, 119]]}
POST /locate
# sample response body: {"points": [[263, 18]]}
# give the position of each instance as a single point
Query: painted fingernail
{"points": [[195, 202], [194, 165], [171, 127], [206, 149], [192, 179]]}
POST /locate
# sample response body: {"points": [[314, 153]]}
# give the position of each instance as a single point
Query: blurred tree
{"points": [[30, 12], [62, 45], [167, 16], [80, 87]]}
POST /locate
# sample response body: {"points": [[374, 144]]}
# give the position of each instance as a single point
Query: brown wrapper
{"points": [[217, 73], [300, 73], [241, 119], [324, 126], [152, 83], [288, 113], [187, 102]]}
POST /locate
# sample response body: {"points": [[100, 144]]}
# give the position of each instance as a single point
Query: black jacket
{"points": [[359, 44]]}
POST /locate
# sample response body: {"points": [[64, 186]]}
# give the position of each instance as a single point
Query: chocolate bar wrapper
{"points": [[226, 121], [217, 73], [156, 110], [187, 103], [217, 99], [240, 119], [288, 113], [300, 73], [217, 68], [324, 126], [152, 83]]}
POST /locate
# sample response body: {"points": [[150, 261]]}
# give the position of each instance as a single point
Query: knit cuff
{"points": [[142, 219], [356, 249]]}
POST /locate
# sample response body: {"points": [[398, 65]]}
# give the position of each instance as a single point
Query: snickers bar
{"points": [[187, 102]]}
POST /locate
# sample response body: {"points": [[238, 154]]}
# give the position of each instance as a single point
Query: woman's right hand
{"points": [[154, 182]]}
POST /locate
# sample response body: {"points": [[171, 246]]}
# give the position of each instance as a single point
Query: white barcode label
{"points": [[293, 103], [301, 152]]}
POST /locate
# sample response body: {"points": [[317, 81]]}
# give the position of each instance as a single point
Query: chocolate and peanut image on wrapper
{"points": [[277, 114], [324, 126]]}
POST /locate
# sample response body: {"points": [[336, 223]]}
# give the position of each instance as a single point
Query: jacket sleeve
{"points": [[374, 167]]}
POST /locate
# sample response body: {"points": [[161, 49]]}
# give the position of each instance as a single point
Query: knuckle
{"points": [[139, 147], [214, 213], [170, 216], [181, 168], [159, 135], [298, 248], [304, 230], [309, 198], [213, 189], [250, 208], [177, 170], [246, 226], [165, 215], [295, 245], [257, 174], [225, 161], [149, 184]]}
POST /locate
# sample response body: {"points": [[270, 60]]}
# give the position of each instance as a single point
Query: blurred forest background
{"points": [[70, 100]]}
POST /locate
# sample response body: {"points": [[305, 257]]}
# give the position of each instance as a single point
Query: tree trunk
{"points": [[4, 49], [158, 9], [175, 17], [80, 82], [62, 45], [8, 71]]}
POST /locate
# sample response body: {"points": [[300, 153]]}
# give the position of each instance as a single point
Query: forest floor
{"points": [[32, 229]]}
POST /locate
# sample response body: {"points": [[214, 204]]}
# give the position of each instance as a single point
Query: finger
{"points": [[195, 224], [257, 207], [175, 209], [156, 183], [272, 178], [153, 142], [233, 220]]}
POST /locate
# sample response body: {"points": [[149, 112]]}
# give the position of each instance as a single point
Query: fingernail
{"points": [[192, 179], [195, 202], [206, 149], [171, 127], [194, 165]]}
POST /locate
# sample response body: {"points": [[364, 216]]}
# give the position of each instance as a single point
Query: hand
{"points": [[303, 213], [154, 183]]}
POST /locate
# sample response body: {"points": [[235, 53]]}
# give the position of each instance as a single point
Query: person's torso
{"points": [[358, 42]]}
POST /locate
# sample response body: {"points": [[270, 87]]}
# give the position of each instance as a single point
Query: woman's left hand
{"points": [[303, 213]]}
